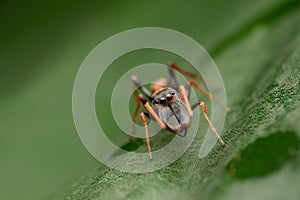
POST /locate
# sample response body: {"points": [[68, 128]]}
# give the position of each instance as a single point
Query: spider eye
{"points": [[162, 101], [156, 101], [173, 93], [169, 97]]}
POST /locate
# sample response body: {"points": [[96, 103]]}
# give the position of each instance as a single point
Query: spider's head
{"points": [[165, 96]]}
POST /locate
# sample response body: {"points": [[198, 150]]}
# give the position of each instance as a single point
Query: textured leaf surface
{"points": [[261, 70]]}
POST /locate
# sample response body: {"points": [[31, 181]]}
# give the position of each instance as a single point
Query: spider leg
{"points": [[195, 85], [212, 127], [182, 71], [154, 115], [157, 119], [172, 80], [139, 99], [185, 98], [140, 87], [143, 118]]}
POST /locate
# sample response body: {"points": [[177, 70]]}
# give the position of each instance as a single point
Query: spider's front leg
{"points": [[137, 86], [184, 97], [156, 118], [143, 118]]}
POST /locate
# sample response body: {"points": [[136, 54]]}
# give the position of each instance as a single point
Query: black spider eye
{"points": [[156, 101], [162, 101], [173, 93]]}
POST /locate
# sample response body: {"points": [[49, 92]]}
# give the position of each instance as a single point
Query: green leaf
{"points": [[255, 45], [261, 70]]}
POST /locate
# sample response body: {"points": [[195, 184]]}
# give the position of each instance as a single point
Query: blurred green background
{"points": [[42, 46]]}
